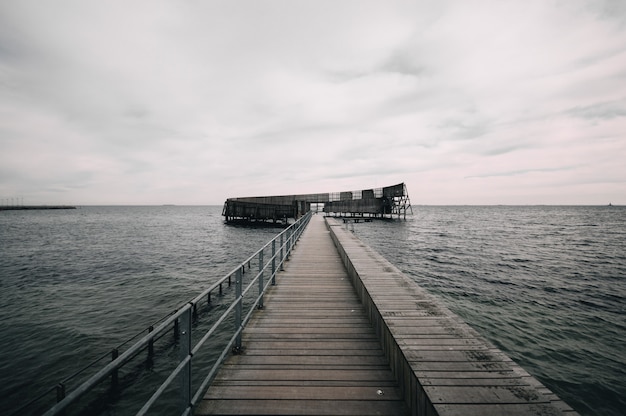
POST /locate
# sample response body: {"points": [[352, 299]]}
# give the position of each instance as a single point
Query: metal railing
{"points": [[181, 322]]}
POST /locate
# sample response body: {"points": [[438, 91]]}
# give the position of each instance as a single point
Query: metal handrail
{"points": [[181, 320]]}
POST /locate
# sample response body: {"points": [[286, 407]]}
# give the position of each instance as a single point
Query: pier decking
{"points": [[311, 350], [345, 332]]}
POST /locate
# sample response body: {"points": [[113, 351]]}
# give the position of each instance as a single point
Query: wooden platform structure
{"points": [[383, 202], [344, 332]]}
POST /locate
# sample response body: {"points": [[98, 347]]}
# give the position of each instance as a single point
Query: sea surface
{"points": [[546, 284]]}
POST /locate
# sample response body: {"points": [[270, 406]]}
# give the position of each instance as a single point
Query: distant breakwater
{"points": [[30, 207]]}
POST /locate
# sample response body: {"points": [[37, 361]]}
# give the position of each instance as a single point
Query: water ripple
{"points": [[545, 284]]}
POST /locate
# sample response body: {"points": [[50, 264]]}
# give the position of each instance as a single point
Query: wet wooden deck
{"points": [[312, 350], [344, 332]]}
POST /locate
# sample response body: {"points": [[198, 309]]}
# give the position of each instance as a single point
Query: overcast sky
{"points": [[191, 102]]}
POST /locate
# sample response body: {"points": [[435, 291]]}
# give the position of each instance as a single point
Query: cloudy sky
{"points": [[191, 102]]}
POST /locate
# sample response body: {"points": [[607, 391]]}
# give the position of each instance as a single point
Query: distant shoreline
{"points": [[31, 207]]}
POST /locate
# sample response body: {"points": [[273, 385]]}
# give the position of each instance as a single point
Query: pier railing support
{"points": [[184, 354], [273, 262], [282, 257], [114, 375], [238, 310], [60, 389], [261, 284], [150, 347]]}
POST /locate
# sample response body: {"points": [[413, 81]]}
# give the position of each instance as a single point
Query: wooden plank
{"points": [[313, 345], [321, 383], [434, 377], [346, 375], [304, 336], [312, 331], [498, 409], [480, 394], [317, 359], [300, 407], [456, 368], [302, 393]]}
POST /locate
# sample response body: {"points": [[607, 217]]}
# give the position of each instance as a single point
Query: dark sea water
{"points": [[545, 284], [76, 283]]}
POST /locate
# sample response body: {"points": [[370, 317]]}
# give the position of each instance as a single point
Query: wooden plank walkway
{"points": [[445, 367], [312, 350], [345, 332]]}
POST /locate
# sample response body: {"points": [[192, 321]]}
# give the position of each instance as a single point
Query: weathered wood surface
{"points": [[445, 367], [344, 325], [312, 350]]}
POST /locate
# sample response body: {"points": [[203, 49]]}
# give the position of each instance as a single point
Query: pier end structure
{"points": [[372, 203]]}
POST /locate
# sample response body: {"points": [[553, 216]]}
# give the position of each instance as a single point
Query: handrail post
{"points": [[114, 375], [273, 261], [184, 352], [261, 284], [60, 392], [282, 258], [150, 346], [288, 243], [238, 309]]}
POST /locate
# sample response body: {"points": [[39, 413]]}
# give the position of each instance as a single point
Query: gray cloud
{"points": [[154, 102], [521, 172], [603, 111]]}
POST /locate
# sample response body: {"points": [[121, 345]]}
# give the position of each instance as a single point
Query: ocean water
{"points": [[75, 284], [545, 284]]}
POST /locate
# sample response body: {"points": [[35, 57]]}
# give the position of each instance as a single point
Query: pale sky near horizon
{"points": [[191, 102]]}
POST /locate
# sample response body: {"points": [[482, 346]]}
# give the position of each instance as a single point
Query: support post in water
{"points": [[238, 309], [184, 352], [60, 392], [114, 374], [261, 284], [150, 346]]}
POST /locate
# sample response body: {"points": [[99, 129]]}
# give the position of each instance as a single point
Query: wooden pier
{"points": [[311, 350], [344, 332]]}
